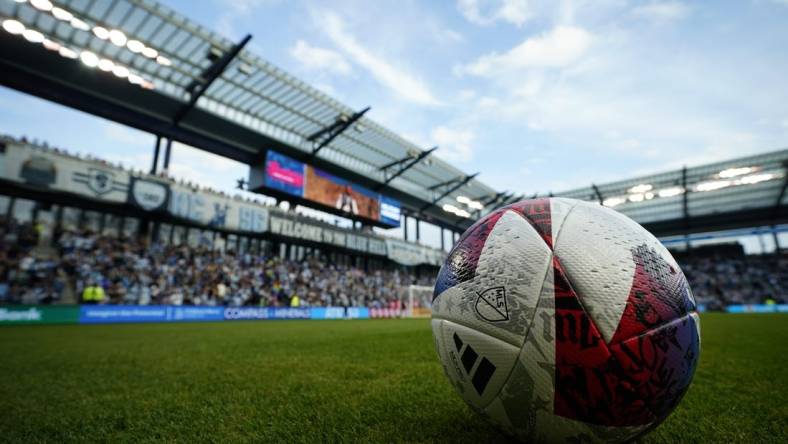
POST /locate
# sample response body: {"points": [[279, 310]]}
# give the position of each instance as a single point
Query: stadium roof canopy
{"points": [[739, 193], [155, 70]]}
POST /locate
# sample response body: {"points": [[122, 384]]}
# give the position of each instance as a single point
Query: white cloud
{"points": [[320, 59], [236, 13], [467, 94], [404, 84], [662, 11], [487, 12], [326, 88], [452, 35], [455, 145], [443, 34], [557, 48]]}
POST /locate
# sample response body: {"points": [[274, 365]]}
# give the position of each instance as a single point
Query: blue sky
{"points": [[536, 95]]}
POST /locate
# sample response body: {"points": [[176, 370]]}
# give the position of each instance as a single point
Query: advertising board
{"points": [[296, 178]]}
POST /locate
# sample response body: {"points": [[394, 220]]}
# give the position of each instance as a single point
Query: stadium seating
{"points": [[133, 272]]}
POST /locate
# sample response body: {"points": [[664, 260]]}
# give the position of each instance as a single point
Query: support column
{"points": [[418, 231], [81, 219], [405, 226], [34, 212], [9, 212], [121, 225], [777, 248], [167, 151], [58, 228], [443, 246], [155, 164]]}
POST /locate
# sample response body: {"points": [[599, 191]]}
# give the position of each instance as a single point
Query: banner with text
{"points": [[297, 228], [39, 315]]}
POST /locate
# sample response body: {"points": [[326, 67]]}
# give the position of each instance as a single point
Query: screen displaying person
{"points": [[346, 202]]}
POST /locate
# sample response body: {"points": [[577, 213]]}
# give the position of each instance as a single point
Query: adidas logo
{"points": [[468, 356]]}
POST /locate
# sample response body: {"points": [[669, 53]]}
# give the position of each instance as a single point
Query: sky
{"points": [[537, 96]]}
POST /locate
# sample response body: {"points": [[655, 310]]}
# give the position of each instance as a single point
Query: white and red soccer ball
{"points": [[565, 321]]}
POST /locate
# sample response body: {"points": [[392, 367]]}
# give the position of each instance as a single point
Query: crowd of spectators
{"points": [[124, 271], [106, 269], [722, 281]]}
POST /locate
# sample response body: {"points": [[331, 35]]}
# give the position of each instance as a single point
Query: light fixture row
{"points": [[115, 36], [88, 58]]}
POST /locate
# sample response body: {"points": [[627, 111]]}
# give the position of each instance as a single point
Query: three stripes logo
{"points": [[480, 374]]}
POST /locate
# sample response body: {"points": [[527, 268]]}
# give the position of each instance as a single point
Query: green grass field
{"points": [[328, 381]]}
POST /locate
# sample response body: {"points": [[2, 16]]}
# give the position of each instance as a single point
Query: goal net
{"points": [[419, 302]]}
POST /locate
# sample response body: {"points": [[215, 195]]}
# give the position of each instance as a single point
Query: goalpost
{"points": [[419, 303]]}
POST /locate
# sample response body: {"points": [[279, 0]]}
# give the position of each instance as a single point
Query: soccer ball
{"points": [[565, 321]]}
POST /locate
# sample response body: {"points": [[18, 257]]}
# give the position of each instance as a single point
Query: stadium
{"points": [[293, 304]]}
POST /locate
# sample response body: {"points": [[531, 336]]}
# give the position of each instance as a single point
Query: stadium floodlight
{"points": [[62, 14], [649, 195], [67, 52], [245, 68], [89, 59], [51, 45], [613, 201], [670, 192], [733, 172], [79, 24], [161, 60], [13, 27], [463, 213], [755, 178], [33, 36], [134, 79], [106, 65], [135, 46], [640, 189], [463, 200], [148, 85], [150, 52], [101, 32], [636, 197], [214, 53], [43, 5], [120, 71], [712, 185], [476, 205], [117, 37], [449, 208]]}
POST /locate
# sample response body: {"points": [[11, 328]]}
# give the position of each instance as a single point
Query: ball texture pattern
{"points": [[565, 321]]}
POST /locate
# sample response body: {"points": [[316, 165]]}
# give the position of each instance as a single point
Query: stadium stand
{"points": [[140, 273]]}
